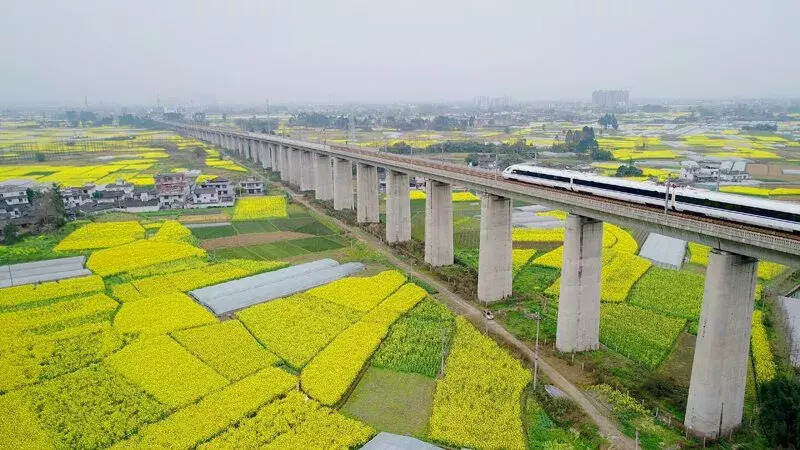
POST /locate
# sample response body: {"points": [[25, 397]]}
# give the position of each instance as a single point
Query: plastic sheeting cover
{"points": [[233, 299], [664, 251], [209, 293], [47, 270], [389, 441]]}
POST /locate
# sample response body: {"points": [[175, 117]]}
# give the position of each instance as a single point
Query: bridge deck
{"points": [[758, 242]]}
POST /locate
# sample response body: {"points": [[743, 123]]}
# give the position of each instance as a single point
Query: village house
{"points": [[13, 201], [252, 185], [173, 189]]}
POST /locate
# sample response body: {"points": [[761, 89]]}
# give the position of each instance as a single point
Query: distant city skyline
{"points": [[357, 51]]}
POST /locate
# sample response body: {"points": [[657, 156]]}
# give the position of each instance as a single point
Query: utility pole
{"points": [[268, 119]]}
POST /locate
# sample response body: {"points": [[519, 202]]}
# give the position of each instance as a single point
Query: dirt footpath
{"points": [[243, 240]]}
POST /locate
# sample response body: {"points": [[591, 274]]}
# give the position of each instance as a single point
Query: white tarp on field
{"points": [[244, 292], [389, 441], [38, 271], [664, 251]]}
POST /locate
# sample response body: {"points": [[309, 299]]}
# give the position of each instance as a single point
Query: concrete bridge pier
{"points": [[719, 369], [306, 171], [324, 177], [438, 223], [494, 255], [398, 207], [273, 154], [266, 158], [366, 193], [240, 146], [283, 158], [342, 184], [578, 327], [295, 166]]}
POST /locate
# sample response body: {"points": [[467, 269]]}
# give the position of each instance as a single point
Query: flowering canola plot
{"points": [[173, 231], [296, 328], [328, 376], [294, 421], [214, 413], [165, 370], [138, 254], [477, 403], [762, 354], [226, 347], [253, 208], [101, 235], [360, 293], [160, 314], [29, 293]]}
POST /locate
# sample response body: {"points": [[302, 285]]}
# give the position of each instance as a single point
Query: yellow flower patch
{"points": [[328, 376], [214, 413], [157, 315], [166, 370], [294, 421], [138, 254], [762, 353], [477, 403], [28, 293], [173, 231], [296, 328], [101, 235], [227, 347], [254, 208], [465, 196], [360, 293]]}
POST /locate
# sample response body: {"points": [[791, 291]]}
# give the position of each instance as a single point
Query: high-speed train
{"points": [[736, 208]]}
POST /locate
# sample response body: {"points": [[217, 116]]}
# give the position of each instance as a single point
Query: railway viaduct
{"points": [[716, 392]]}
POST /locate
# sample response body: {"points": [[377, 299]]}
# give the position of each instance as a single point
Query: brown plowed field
{"points": [[242, 240]]}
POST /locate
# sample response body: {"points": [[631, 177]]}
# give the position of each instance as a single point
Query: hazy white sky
{"points": [[375, 51]]}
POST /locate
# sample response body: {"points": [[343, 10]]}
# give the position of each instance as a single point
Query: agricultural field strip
{"points": [[294, 421], [213, 413], [17, 296], [296, 328], [196, 278], [478, 401], [330, 374]]}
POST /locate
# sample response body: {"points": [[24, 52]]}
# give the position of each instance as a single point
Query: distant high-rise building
{"points": [[611, 100]]}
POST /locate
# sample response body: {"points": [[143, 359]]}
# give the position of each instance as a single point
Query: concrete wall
{"points": [[323, 178], [398, 207], [438, 223], [579, 300], [494, 260], [342, 184], [719, 369], [366, 193]]}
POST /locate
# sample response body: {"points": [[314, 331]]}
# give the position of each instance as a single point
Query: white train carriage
{"points": [[736, 208]]}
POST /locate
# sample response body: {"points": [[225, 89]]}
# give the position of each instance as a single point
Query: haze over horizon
{"points": [[360, 51]]}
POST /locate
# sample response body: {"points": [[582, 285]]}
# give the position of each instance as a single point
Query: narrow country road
{"points": [[607, 426]]}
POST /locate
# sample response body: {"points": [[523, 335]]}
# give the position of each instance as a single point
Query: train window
{"points": [[744, 209], [541, 175], [614, 187]]}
